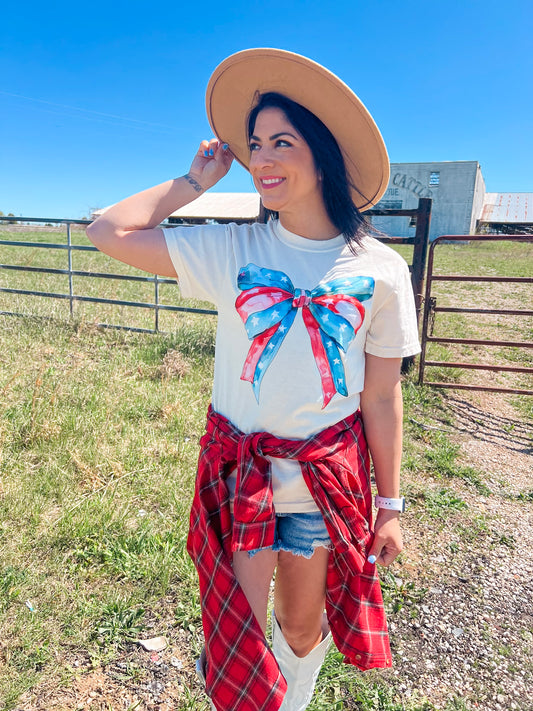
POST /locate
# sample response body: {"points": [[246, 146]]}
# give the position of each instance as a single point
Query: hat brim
{"points": [[235, 84]]}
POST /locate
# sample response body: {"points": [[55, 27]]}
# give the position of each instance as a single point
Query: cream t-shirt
{"points": [[295, 319]]}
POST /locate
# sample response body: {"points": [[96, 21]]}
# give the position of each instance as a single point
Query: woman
{"points": [[314, 319]]}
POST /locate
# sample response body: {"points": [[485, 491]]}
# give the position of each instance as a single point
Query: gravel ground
{"points": [[472, 633]]}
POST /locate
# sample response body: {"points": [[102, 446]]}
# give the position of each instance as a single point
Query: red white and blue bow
{"points": [[332, 313]]}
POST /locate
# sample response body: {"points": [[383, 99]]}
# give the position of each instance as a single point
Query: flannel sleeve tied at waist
{"points": [[242, 673]]}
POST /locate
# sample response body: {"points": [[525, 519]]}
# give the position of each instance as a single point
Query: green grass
{"points": [[339, 689], [488, 258], [439, 502], [442, 462], [398, 592], [99, 444], [428, 448]]}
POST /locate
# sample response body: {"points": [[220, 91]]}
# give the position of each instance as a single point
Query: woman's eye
{"points": [[254, 147], [282, 143]]}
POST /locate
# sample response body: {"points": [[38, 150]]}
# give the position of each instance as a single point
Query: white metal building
{"points": [[457, 190], [460, 204], [506, 213]]}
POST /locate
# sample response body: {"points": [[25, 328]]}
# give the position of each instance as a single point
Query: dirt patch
{"points": [[494, 438], [134, 680]]}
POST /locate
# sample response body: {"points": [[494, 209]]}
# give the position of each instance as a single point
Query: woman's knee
{"points": [[301, 633]]}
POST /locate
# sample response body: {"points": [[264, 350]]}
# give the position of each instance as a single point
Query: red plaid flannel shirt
{"points": [[242, 672]]}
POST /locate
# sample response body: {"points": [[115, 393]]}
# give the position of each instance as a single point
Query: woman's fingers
{"points": [[203, 149], [387, 555], [213, 149], [209, 149], [384, 556], [211, 162], [387, 542], [219, 154]]}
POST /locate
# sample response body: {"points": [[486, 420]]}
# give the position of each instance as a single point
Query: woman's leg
{"points": [[300, 598], [254, 576], [300, 632]]}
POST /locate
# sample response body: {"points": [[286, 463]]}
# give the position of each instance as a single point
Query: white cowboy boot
{"points": [[200, 671], [300, 673]]}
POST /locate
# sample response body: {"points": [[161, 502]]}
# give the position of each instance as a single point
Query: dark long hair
{"points": [[336, 184]]}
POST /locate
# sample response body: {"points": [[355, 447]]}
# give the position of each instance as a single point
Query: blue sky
{"points": [[100, 100]]}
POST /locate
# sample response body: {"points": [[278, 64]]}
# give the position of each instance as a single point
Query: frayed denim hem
{"points": [[303, 552]]}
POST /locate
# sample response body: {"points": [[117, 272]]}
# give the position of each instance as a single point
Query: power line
{"points": [[91, 115]]}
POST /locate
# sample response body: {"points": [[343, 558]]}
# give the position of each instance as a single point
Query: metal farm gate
{"points": [[72, 297], [431, 308]]}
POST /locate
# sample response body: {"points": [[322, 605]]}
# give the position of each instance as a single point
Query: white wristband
{"points": [[382, 502]]}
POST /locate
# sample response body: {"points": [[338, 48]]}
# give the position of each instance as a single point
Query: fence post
{"points": [[427, 311], [418, 267], [420, 251], [156, 310], [70, 285]]}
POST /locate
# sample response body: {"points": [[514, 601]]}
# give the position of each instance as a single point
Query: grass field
{"points": [[98, 446]]}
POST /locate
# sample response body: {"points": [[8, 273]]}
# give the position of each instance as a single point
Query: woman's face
{"points": [[282, 165]]}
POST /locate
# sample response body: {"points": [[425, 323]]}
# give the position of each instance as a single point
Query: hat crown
{"points": [[232, 92]]}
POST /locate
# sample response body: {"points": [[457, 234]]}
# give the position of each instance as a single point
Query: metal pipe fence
{"points": [[156, 305], [431, 308], [420, 244]]}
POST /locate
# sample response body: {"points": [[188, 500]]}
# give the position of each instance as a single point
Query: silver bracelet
{"points": [[382, 502]]}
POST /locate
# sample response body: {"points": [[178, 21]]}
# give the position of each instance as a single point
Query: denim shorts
{"points": [[299, 534]]}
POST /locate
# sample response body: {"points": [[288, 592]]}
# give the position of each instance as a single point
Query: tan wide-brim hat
{"points": [[233, 91]]}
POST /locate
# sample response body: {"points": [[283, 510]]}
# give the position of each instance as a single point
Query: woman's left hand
{"points": [[387, 542], [211, 163]]}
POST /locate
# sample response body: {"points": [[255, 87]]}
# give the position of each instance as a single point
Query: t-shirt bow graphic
{"points": [[332, 313]]}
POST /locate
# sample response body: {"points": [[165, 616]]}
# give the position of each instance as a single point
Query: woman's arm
{"points": [[382, 412], [129, 231]]}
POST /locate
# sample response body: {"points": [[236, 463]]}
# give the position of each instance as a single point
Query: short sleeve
{"points": [[393, 330], [200, 257]]}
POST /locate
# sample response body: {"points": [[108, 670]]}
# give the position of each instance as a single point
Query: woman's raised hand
{"points": [[211, 163]]}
